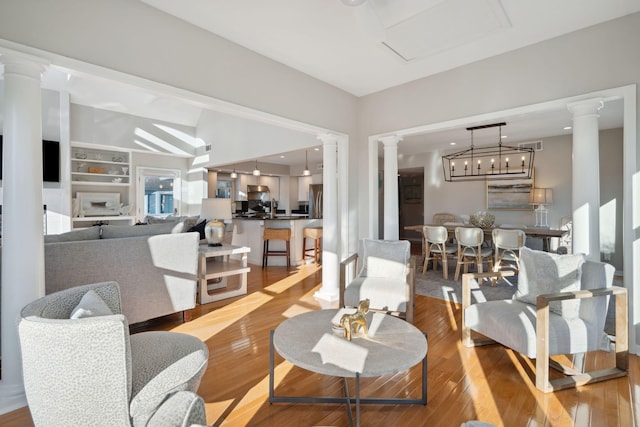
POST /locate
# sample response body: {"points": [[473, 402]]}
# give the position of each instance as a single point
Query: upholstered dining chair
{"points": [[471, 250], [81, 367], [437, 248], [382, 271], [507, 244]]}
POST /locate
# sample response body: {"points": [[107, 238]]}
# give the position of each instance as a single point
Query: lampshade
{"points": [[233, 174], [256, 171], [541, 196], [215, 211]]}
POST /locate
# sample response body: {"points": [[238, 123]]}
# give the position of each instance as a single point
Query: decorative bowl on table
{"points": [[482, 219]]}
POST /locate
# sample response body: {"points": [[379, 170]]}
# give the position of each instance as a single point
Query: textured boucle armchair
{"points": [[90, 371]]}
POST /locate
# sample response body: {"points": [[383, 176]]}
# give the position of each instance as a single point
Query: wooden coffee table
{"points": [[307, 340]]}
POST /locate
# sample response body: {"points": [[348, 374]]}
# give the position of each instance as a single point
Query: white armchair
{"points": [[382, 271], [560, 309], [90, 371]]}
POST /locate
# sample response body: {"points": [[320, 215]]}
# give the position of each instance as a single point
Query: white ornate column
{"points": [[585, 192], [391, 215], [330, 233], [22, 225]]}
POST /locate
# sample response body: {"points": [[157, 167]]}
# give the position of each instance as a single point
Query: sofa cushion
{"points": [[199, 228], [90, 233], [91, 305], [547, 273], [120, 231]]}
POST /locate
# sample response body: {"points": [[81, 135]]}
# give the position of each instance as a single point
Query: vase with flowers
{"points": [[482, 219]]}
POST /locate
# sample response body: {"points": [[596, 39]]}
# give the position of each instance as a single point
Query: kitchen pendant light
{"points": [[306, 171], [234, 174], [256, 171]]}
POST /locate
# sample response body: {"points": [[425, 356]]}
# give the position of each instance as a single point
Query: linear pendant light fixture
{"points": [[306, 171], [492, 162]]}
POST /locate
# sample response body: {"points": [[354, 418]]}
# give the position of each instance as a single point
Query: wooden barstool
{"points": [[276, 234], [314, 233]]}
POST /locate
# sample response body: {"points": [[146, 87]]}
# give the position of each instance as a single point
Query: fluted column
{"points": [[585, 192], [391, 216], [330, 233], [22, 226]]}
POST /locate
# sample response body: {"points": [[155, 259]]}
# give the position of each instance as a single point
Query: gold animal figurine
{"points": [[357, 319]]}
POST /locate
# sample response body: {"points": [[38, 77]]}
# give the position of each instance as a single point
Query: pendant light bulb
{"points": [[256, 171], [306, 171], [234, 174]]}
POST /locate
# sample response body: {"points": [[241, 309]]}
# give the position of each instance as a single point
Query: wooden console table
{"points": [[214, 269]]}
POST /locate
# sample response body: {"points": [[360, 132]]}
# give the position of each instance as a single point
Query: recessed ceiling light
{"points": [[567, 128], [317, 149], [504, 136], [282, 157], [452, 143]]}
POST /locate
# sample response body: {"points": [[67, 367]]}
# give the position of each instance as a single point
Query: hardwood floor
{"points": [[488, 383]]}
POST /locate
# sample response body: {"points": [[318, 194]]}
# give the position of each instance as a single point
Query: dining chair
{"points": [[470, 249], [436, 248], [441, 217], [507, 244]]}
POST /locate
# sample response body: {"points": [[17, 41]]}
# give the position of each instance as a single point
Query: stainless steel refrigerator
{"points": [[315, 201]]}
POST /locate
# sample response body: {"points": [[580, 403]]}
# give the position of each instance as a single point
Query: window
{"points": [[158, 192]]}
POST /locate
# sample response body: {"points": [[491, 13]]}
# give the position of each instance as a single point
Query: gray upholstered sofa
{"points": [[155, 265]]}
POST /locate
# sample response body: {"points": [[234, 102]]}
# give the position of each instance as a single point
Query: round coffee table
{"points": [[391, 345]]}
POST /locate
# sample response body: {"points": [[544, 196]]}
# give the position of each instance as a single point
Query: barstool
{"points": [[276, 234], [314, 233]]}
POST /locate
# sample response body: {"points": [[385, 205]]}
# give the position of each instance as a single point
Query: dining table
{"points": [[531, 232]]}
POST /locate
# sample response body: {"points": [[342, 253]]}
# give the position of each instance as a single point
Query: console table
{"points": [[216, 265], [307, 340]]}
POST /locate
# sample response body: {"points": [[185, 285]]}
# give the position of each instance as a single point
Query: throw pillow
{"points": [[91, 305], [547, 273], [385, 258], [199, 228]]}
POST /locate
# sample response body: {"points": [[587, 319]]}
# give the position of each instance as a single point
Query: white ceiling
{"points": [[367, 48], [384, 43]]}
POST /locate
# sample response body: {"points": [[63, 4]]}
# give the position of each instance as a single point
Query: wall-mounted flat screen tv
{"points": [[50, 160]]}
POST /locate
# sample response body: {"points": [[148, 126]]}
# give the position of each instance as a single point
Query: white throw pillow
{"points": [[385, 258], [547, 273], [91, 305]]}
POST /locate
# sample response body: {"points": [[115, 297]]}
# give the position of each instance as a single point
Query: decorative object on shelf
{"points": [[98, 156], [80, 156], [98, 204], [215, 211], [80, 167], [116, 180], [482, 219], [541, 197], [488, 162], [117, 159], [125, 169], [306, 171], [256, 171], [351, 323], [96, 169], [124, 210], [75, 208]]}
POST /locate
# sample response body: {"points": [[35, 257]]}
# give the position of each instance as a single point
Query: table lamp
{"points": [[215, 211], [541, 197]]}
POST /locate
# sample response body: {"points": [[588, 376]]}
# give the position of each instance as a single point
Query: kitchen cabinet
{"points": [[273, 182], [303, 188]]}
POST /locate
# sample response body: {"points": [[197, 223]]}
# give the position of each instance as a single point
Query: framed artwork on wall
{"points": [[98, 204], [509, 194]]}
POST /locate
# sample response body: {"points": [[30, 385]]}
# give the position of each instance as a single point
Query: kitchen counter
{"points": [[249, 231], [277, 217]]}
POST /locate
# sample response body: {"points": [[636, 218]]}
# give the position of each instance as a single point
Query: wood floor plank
{"points": [[488, 383]]}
